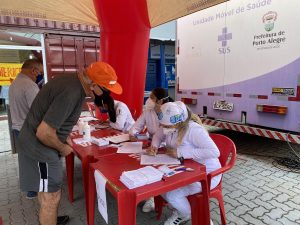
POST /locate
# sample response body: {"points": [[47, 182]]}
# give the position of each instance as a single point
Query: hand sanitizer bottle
{"points": [[80, 126], [86, 131]]}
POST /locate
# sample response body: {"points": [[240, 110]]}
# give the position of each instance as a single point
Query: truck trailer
{"points": [[238, 66]]}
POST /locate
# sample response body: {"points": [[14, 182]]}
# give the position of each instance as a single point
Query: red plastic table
{"points": [[87, 155], [111, 166]]}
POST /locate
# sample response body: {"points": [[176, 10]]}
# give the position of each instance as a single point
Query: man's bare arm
{"points": [[47, 135]]}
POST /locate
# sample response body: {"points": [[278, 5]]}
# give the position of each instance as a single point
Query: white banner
{"points": [[101, 194]]}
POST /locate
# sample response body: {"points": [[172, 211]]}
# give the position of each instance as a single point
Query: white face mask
{"points": [[168, 131], [150, 104]]}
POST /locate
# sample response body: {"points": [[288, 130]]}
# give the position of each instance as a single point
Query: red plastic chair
{"points": [[227, 159]]}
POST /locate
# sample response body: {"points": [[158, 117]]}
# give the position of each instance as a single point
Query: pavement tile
{"points": [[267, 196], [252, 220], [292, 205], [251, 195], [232, 201], [249, 203], [283, 198], [293, 215], [289, 191], [258, 212], [76, 221], [241, 210], [267, 220], [293, 176], [272, 191], [273, 184], [240, 186], [267, 205], [237, 220], [276, 214], [236, 194], [286, 221], [296, 199]]}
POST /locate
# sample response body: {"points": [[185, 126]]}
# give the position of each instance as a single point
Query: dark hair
{"points": [[29, 63], [105, 91], [106, 99], [162, 94]]}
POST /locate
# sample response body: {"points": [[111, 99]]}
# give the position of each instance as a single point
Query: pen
{"points": [[184, 169]]}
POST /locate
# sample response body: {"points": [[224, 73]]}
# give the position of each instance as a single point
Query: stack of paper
{"points": [[131, 147], [99, 141], [141, 177]]}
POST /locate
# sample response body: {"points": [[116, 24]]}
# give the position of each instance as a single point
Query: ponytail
{"points": [[183, 126]]}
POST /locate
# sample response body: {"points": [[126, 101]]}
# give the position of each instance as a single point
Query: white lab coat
{"points": [[197, 145], [124, 120], [149, 120]]}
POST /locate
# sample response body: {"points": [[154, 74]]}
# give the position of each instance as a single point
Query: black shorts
{"points": [[39, 176]]}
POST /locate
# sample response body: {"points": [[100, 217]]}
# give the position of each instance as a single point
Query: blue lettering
{"points": [[224, 51]]}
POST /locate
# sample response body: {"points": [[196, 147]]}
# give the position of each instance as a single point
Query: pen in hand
{"points": [[152, 150]]}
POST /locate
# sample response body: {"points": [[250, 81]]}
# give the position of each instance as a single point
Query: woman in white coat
{"points": [[185, 137], [119, 114], [148, 119]]}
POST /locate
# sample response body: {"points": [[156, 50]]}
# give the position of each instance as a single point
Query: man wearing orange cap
{"points": [[44, 137]]}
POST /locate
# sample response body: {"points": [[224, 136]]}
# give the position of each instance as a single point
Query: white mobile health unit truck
{"points": [[238, 66]]}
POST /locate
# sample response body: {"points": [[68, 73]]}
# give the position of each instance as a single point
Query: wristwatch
{"points": [[181, 160]]}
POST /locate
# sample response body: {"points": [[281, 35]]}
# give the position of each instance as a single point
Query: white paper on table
{"points": [[141, 177], [159, 159], [99, 141], [101, 194], [130, 147]]}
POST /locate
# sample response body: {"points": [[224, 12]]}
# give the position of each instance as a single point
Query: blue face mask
{"points": [[103, 110]]}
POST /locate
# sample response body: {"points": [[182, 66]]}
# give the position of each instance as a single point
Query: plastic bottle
{"points": [[86, 131], [80, 126]]}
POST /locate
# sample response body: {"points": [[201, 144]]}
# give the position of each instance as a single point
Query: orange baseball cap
{"points": [[105, 76]]}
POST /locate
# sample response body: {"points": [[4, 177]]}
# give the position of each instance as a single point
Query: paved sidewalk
{"points": [[255, 191], [5, 145]]}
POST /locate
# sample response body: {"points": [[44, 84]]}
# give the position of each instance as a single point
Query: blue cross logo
{"points": [[224, 37]]}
